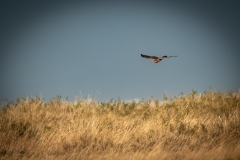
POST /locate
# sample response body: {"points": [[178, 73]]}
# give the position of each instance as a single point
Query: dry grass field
{"points": [[195, 126]]}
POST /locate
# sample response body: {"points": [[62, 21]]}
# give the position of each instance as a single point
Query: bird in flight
{"points": [[156, 59]]}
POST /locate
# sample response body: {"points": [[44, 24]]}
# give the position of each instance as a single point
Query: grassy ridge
{"points": [[196, 126]]}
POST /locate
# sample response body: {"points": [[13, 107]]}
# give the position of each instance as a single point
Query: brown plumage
{"points": [[156, 59]]}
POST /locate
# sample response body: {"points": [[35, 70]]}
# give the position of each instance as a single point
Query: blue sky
{"points": [[80, 49]]}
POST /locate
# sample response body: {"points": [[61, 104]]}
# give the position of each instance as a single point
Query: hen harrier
{"points": [[156, 59]]}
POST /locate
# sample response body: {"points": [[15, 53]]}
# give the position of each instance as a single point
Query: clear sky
{"points": [[76, 49]]}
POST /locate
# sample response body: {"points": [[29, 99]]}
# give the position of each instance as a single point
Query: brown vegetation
{"points": [[196, 126]]}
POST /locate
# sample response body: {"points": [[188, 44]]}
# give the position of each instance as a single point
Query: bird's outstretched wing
{"points": [[168, 56], [149, 57]]}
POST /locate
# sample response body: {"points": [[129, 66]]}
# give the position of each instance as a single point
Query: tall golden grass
{"points": [[196, 126]]}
